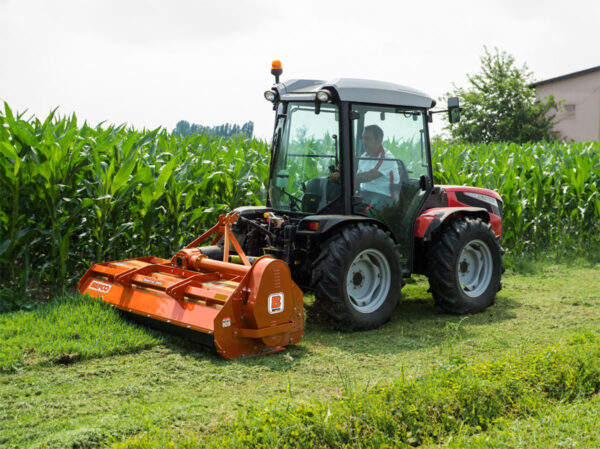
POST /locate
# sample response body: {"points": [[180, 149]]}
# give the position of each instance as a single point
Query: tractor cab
{"points": [[351, 147]]}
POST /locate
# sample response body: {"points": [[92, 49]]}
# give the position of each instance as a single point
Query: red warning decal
{"points": [[276, 303]]}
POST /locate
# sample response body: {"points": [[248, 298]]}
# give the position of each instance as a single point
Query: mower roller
{"points": [[244, 309]]}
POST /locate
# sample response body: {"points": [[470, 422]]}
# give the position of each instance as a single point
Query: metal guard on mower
{"points": [[245, 310]]}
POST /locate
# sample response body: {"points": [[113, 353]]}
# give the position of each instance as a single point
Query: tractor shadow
{"points": [[416, 324], [203, 354], [282, 361]]}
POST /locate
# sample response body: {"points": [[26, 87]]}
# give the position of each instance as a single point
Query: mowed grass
{"points": [[458, 398], [183, 390]]}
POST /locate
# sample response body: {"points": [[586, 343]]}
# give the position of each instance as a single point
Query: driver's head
{"points": [[372, 137]]}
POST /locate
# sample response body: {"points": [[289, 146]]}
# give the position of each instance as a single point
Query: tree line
{"points": [[185, 128]]}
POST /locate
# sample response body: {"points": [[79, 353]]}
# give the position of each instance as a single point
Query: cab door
{"points": [[391, 165]]}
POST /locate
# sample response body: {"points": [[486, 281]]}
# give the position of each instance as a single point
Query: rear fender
{"points": [[431, 220]]}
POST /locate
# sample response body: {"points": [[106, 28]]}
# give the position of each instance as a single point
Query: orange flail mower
{"points": [[245, 309]]}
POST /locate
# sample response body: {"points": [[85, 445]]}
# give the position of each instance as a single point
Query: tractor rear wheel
{"points": [[357, 277], [465, 266]]}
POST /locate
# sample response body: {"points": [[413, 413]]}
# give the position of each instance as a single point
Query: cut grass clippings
{"points": [[70, 328], [177, 392], [457, 399]]}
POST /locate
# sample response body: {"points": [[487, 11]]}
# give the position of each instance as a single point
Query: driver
{"points": [[376, 174]]}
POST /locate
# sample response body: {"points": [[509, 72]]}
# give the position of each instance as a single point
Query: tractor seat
{"points": [[320, 192]]}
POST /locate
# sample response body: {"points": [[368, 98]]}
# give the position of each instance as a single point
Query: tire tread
{"points": [[442, 253], [328, 273]]}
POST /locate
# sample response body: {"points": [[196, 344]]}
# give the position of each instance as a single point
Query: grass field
{"points": [[174, 392]]}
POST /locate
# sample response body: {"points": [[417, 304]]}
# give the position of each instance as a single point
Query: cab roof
{"points": [[355, 90]]}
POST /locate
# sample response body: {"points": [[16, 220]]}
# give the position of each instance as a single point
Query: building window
{"points": [[568, 112]]}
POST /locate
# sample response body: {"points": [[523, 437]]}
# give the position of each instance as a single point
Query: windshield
{"points": [[305, 167]]}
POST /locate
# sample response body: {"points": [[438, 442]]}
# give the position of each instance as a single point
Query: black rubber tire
{"points": [[330, 272], [444, 265]]}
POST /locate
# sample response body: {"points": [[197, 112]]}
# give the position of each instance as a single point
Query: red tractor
{"points": [[352, 207]]}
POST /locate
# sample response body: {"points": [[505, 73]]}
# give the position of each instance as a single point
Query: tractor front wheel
{"points": [[465, 266], [357, 277]]}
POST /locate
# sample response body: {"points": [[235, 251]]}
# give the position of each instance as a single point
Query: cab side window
{"points": [[390, 153]]}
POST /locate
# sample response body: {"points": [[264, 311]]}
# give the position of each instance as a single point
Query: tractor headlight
{"points": [[323, 96], [484, 198], [270, 96]]}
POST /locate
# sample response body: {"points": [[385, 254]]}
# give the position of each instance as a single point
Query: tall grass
{"points": [[550, 190], [74, 194], [459, 399], [68, 329]]}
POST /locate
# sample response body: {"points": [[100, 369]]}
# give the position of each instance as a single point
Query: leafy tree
{"points": [[500, 106]]}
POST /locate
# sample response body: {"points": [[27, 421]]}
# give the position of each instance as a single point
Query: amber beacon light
{"points": [[276, 69]]}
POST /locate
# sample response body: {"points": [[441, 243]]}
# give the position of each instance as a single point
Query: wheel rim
{"points": [[474, 268], [368, 281]]}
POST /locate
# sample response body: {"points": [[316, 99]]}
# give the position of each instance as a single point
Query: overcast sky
{"points": [[152, 63]]}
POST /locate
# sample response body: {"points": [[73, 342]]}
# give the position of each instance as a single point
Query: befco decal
{"points": [[276, 303], [99, 286], [152, 281], [226, 322]]}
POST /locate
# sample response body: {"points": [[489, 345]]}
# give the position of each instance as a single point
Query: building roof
{"points": [[356, 90], [567, 76]]}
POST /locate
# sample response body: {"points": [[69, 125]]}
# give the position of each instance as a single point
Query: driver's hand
{"points": [[334, 175]]}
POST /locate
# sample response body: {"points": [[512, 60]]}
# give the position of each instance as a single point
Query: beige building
{"points": [[579, 119]]}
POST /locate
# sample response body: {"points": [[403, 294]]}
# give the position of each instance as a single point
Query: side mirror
{"points": [[453, 110], [425, 183]]}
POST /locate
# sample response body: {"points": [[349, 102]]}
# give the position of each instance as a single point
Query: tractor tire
{"points": [[357, 277], [465, 266]]}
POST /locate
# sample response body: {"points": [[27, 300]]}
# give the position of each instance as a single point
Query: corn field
{"points": [[73, 194], [550, 190]]}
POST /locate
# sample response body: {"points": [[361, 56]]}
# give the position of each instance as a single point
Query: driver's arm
{"points": [[368, 176]]}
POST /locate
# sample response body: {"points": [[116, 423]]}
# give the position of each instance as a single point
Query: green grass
{"points": [[569, 426], [189, 393], [565, 425], [68, 329], [457, 398]]}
